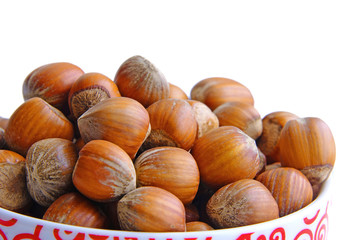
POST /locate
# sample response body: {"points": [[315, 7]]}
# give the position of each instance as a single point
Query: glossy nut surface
{"points": [[74, 209], [173, 169], [196, 226], [88, 90], [215, 91], [224, 155], [241, 203], [307, 144], [242, 115], [52, 82], [173, 124], [120, 120], [139, 79], [151, 209], [103, 171], [273, 124], [35, 120], [176, 92], [289, 187]]}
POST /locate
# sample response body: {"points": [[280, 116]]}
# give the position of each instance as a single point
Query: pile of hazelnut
{"points": [[136, 153]]}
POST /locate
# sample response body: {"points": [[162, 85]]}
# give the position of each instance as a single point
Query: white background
{"points": [[297, 56]]}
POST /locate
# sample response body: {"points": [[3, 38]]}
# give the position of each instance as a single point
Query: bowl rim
{"points": [[323, 196]]}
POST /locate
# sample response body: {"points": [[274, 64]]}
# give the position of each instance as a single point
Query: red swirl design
{"points": [[262, 237], [304, 232], [322, 228], [275, 234], [8, 223], [311, 220]]}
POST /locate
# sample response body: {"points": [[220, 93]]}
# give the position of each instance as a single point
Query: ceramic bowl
{"points": [[309, 223]]}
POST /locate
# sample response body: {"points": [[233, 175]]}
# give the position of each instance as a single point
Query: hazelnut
{"points": [[49, 167], [103, 171], [273, 124], [139, 79], [307, 144], [139, 210], [88, 90], [196, 226], [52, 83], [241, 203], [172, 124], [206, 119], [241, 115], [13, 192], [120, 120], [289, 187], [173, 169], [74, 209], [224, 155], [176, 92], [35, 120], [216, 90]]}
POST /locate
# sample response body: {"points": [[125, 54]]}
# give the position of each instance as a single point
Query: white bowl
{"points": [[309, 223]]}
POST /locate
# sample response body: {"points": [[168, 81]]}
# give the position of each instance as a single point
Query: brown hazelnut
{"points": [[88, 90], [49, 167], [241, 115], [104, 172], [14, 195], [139, 79], [289, 187], [176, 92], [273, 124], [307, 144], [139, 210], [171, 168], [224, 155], [35, 120], [206, 119], [52, 83], [120, 120], [242, 203], [172, 124], [74, 209], [215, 91]]}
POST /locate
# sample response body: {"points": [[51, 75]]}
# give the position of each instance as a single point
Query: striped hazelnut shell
{"points": [[52, 82], [74, 209], [307, 144], [103, 172], [173, 124], [215, 91], [241, 203], [49, 166], [14, 195], [139, 210], [289, 187], [120, 120], [242, 115], [224, 155], [88, 90], [35, 120], [171, 168], [139, 79]]}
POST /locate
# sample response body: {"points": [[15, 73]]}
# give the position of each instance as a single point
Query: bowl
{"points": [[311, 222]]}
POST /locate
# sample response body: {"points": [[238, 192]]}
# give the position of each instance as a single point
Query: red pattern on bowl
{"points": [[309, 223]]}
